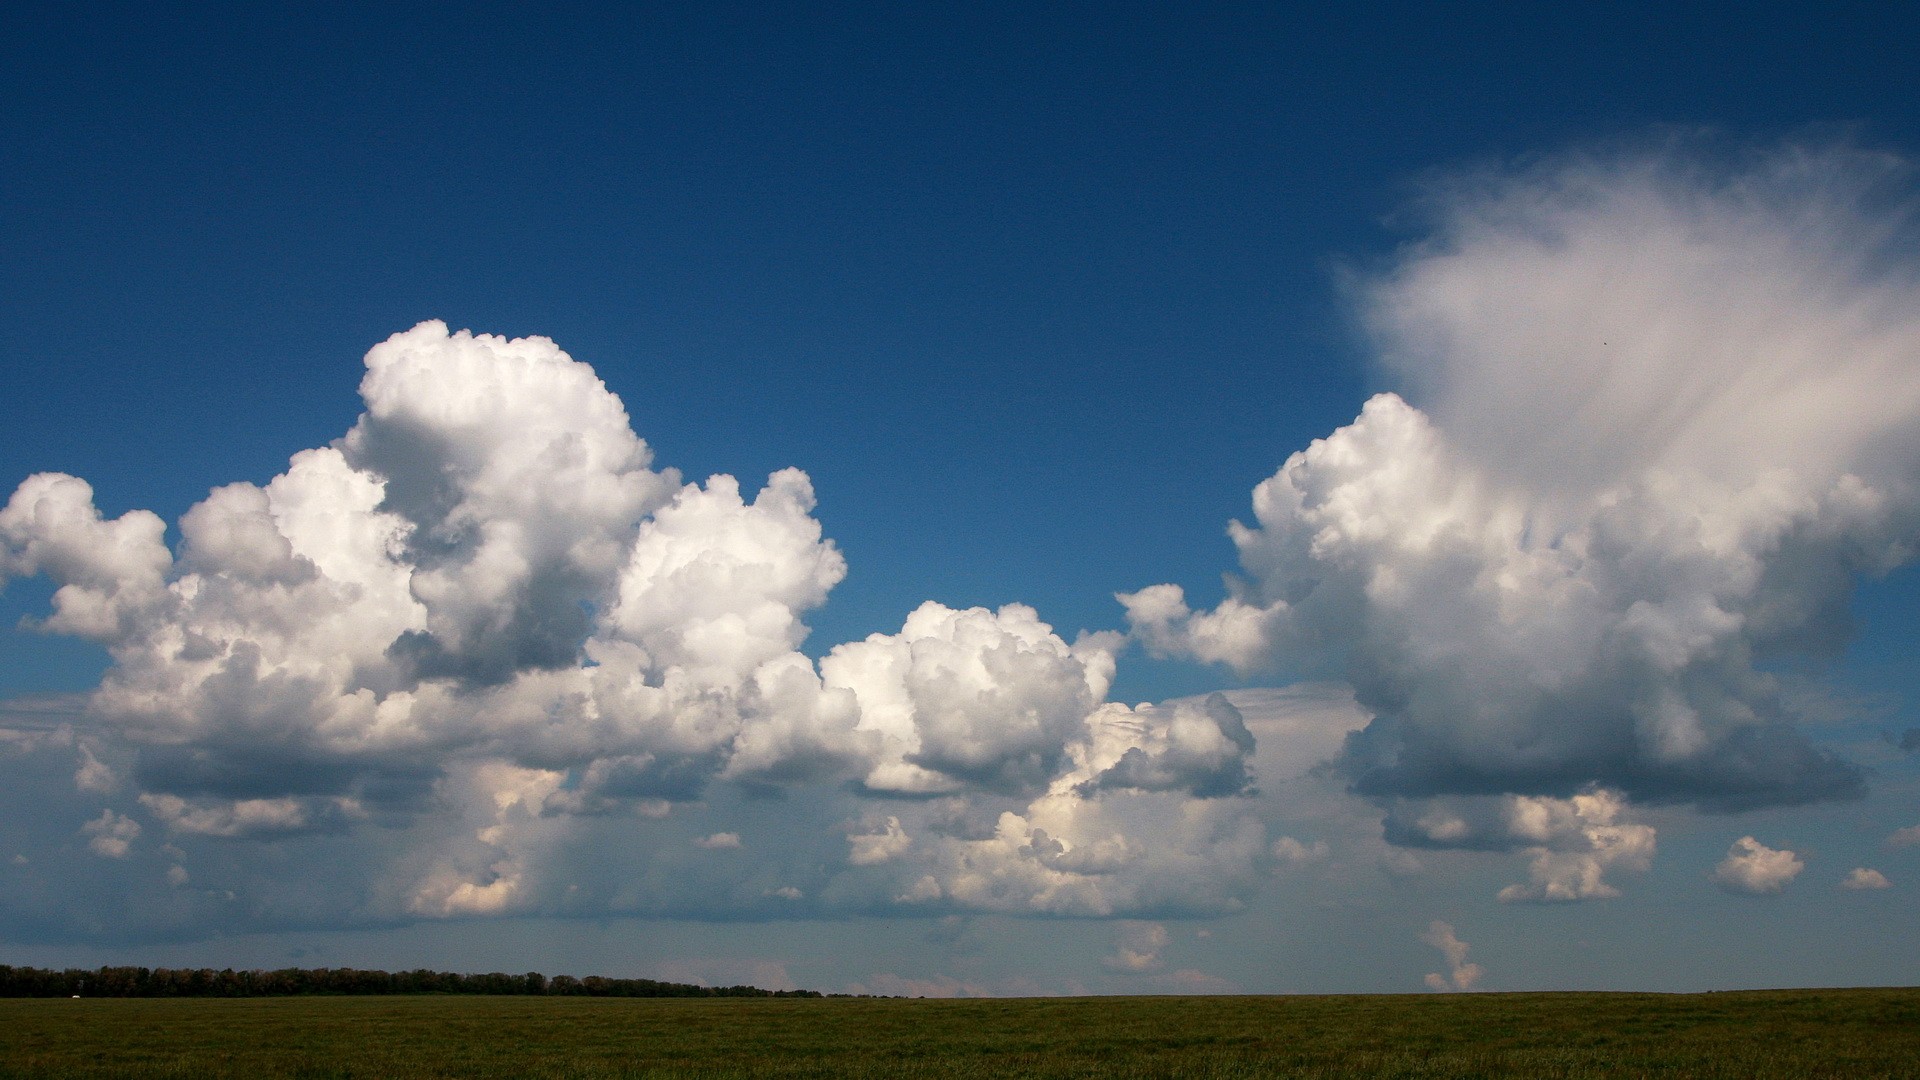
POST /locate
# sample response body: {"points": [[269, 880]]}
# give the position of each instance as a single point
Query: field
{"points": [[1822, 1033]]}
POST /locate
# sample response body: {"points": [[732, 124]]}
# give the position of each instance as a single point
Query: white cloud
{"points": [[887, 984], [520, 483], [1291, 852], [1195, 981], [970, 698], [1203, 748], [715, 583], [248, 817], [1756, 869], [1864, 878], [720, 841], [1907, 837], [112, 835], [94, 776], [1136, 947], [1666, 417], [1576, 841], [1460, 974], [873, 848], [1571, 844], [110, 573], [765, 974]]}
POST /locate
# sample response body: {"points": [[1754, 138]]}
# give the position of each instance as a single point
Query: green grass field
{"points": [[1824, 1033]]}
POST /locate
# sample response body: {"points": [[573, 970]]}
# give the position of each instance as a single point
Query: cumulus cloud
{"points": [[1659, 416], [248, 817], [519, 482], [111, 835], [1756, 869], [1574, 842], [1570, 844], [1657, 419], [1907, 837], [1863, 877], [1136, 947], [1291, 852], [1201, 748], [484, 620], [979, 698], [1460, 974], [872, 848]]}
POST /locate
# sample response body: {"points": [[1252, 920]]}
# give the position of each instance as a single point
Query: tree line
{"points": [[226, 982]]}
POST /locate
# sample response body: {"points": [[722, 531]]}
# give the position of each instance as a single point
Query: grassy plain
{"points": [[1820, 1033]]}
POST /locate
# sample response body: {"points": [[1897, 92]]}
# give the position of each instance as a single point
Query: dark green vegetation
{"points": [[226, 982], [1825, 1033]]}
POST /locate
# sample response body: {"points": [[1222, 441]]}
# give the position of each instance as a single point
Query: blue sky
{"points": [[1035, 300]]}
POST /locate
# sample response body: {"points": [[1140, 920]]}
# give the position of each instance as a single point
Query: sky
{"points": [[967, 500]]}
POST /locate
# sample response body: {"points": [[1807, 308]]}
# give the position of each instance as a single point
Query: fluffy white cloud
{"points": [[970, 698], [109, 572], [1863, 877], [1460, 974], [483, 622], [1574, 843], [521, 483], [1570, 844], [1202, 747], [1666, 418], [1756, 869]]}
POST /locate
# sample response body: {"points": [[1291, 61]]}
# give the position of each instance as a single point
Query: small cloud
{"points": [[250, 818], [1291, 852], [113, 834], [1195, 981], [1756, 869], [1577, 841], [176, 876], [873, 848], [19, 860], [712, 971], [1864, 878], [1907, 837], [1136, 947], [1400, 863], [93, 776], [925, 889], [720, 841], [1461, 975], [785, 892], [887, 984]]}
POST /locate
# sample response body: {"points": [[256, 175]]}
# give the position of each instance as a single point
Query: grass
{"points": [[1817, 1033]]}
